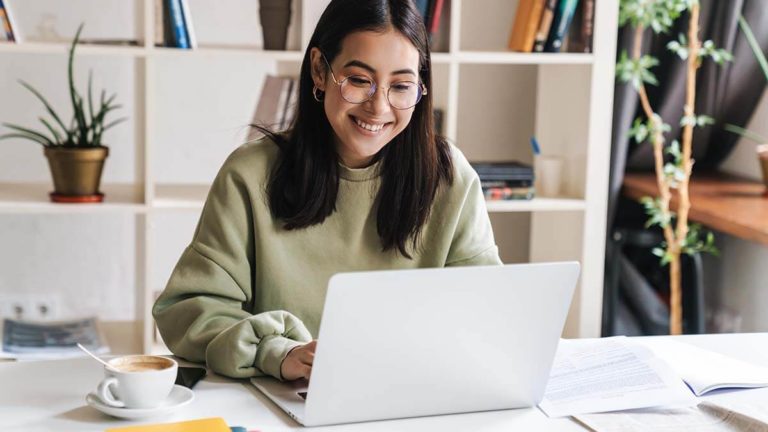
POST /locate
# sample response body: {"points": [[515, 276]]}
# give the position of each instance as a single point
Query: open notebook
{"points": [[705, 370]]}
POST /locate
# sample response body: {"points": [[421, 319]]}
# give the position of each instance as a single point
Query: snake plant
{"points": [[87, 126]]}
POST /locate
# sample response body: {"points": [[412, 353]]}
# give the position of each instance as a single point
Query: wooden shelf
{"points": [[724, 203], [536, 204], [503, 57], [33, 198], [462, 57], [180, 196]]}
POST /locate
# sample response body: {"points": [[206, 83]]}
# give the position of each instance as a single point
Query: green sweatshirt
{"points": [[246, 291]]}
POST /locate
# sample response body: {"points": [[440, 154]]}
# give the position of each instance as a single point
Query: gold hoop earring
{"points": [[315, 92]]}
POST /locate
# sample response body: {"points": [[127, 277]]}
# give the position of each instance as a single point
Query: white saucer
{"points": [[179, 397]]}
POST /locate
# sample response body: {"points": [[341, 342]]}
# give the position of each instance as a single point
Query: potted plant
{"points": [[75, 153], [673, 162]]}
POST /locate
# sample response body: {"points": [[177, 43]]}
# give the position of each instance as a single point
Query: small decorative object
{"points": [[275, 17], [75, 153]]}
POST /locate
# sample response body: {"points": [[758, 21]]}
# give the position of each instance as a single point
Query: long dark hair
{"points": [[305, 180]]}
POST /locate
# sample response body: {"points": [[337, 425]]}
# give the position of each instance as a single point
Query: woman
{"points": [[360, 182]]}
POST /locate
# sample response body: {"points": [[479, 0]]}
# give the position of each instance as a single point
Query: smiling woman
{"points": [[360, 181]]}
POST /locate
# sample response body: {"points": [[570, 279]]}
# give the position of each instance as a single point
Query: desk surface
{"points": [[50, 396], [728, 204]]}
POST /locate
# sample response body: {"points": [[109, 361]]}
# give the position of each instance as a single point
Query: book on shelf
{"points": [[431, 11], [560, 25], [276, 106], [175, 26], [580, 36], [527, 19], [190, 29], [26, 340], [9, 29], [545, 23]]}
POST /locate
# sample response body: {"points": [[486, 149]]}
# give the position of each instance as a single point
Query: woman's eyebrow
{"points": [[370, 69]]}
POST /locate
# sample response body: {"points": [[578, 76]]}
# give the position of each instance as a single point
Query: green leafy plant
{"points": [[87, 126], [673, 162], [755, 47]]}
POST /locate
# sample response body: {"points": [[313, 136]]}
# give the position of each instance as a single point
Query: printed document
{"points": [[610, 374], [706, 417]]}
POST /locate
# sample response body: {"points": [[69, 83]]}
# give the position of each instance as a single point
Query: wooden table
{"points": [[724, 203]]}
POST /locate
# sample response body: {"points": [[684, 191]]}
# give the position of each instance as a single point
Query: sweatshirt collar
{"points": [[359, 174]]}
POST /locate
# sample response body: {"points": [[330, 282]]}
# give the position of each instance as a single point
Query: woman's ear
{"points": [[318, 68]]}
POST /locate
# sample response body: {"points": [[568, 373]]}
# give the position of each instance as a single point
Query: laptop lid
{"points": [[408, 343]]}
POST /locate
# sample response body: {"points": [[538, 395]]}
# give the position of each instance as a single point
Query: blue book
{"points": [[177, 24], [423, 7], [560, 25]]}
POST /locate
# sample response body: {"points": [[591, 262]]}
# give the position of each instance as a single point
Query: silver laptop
{"points": [[410, 343]]}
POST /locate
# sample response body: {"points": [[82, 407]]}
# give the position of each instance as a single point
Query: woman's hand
{"points": [[298, 363]]}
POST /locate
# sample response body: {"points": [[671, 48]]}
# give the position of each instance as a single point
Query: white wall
{"points": [[737, 281]]}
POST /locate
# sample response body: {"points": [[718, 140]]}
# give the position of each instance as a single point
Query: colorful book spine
{"points": [[437, 9], [560, 25], [7, 25], [177, 24], [191, 36], [587, 26], [526, 23], [540, 40]]}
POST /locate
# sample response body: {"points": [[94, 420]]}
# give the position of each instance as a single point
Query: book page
{"points": [[610, 374], [706, 417], [710, 371]]}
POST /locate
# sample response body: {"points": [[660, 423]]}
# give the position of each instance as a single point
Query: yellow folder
{"points": [[213, 424]]}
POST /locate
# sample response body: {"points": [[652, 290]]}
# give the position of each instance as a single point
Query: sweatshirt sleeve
{"points": [[202, 313], [473, 243]]}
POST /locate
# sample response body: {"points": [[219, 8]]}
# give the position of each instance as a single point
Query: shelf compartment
{"points": [[33, 198]]}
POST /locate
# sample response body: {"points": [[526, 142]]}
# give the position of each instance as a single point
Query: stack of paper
{"points": [[613, 374]]}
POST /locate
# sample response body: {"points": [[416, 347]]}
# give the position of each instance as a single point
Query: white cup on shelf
{"points": [[548, 170]]}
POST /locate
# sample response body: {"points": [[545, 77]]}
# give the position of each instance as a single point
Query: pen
{"points": [[535, 146]]}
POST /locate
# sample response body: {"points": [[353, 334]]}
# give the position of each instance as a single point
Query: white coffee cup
{"points": [[137, 381]]}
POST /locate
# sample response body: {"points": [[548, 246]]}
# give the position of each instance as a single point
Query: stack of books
{"points": [[545, 26], [173, 25], [505, 180]]}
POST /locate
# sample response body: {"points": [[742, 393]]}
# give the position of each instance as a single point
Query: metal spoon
{"points": [[85, 350]]}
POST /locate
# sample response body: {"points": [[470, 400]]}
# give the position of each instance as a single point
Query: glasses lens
{"points": [[404, 94], [356, 89]]}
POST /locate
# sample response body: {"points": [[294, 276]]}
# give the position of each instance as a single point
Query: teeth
{"points": [[370, 127]]}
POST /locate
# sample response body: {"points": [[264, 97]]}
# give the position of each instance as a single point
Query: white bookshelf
{"points": [[493, 101]]}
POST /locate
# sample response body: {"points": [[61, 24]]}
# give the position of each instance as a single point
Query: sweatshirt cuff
{"points": [[271, 353]]}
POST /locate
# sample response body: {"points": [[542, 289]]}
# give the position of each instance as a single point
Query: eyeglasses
{"points": [[359, 89]]}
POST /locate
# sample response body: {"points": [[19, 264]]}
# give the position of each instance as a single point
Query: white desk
{"points": [[50, 396]]}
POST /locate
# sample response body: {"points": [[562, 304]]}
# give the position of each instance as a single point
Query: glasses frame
{"points": [[375, 86]]}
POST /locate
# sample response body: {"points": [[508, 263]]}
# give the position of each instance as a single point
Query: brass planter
{"points": [[76, 172]]}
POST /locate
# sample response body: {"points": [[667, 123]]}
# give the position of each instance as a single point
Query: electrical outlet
{"points": [[37, 307], [43, 307], [16, 307]]}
